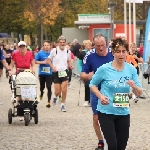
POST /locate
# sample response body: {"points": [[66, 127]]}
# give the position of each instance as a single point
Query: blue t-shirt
{"points": [[113, 81], [44, 69], [92, 61], [1, 55]]}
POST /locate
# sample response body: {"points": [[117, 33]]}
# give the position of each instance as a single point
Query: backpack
{"points": [[56, 51]]}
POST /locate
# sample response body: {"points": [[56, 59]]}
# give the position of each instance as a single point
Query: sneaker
{"points": [[54, 101], [100, 146], [48, 105], [63, 108], [21, 118], [86, 104], [135, 100], [41, 96]]}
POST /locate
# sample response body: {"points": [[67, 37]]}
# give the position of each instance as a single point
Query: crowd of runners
{"points": [[107, 70]]}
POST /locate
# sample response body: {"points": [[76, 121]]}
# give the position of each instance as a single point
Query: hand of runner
{"points": [[71, 67], [45, 61], [131, 83], [90, 75], [104, 100], [54, 69], [10, 73]]}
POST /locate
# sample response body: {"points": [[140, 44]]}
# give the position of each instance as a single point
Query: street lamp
{"points": [[111, 5]]}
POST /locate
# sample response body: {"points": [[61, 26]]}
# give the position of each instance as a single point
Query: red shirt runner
{"points": [[22, 61]]}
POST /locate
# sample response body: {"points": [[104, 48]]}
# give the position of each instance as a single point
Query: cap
{"points": [[22, 43]]}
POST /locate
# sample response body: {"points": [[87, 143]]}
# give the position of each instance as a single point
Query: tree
{"points": [[12, 16], [43, 12]]}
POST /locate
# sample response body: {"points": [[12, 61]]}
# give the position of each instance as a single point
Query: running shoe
{"points": [[48, 105], [54, 101], [100, 146], [41, 96], [86, 104], [63, 108], [21, 118]]}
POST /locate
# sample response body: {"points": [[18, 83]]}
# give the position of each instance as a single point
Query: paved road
{"points": [[72, 130]]}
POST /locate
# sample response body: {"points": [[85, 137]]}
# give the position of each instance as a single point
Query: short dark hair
{"points": [[47, 41], [119, 42]]}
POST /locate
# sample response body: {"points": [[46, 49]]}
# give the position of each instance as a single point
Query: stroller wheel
{"points": [[26, 118], [10, 116], [36, 117]]}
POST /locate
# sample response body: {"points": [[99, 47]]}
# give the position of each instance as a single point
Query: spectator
{"points": [[75, 48]]}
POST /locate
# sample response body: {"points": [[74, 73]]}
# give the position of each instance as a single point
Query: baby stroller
{"points": [[24, 97]]}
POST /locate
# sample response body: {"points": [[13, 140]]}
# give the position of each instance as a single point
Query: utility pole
{"points": [[111, 5]]}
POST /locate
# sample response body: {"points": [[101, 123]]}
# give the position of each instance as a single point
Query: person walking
{"points": [[115, 79], [87, 47]]}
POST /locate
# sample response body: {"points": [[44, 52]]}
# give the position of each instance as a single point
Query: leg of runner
{"points": [[64, 93], [42, 85], [1, 69], [49, 91], [69, 75], [57, 87], [96, 125], [115, 129], [87, 93]]}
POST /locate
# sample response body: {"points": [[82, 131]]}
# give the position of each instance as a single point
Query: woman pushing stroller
{"points": [[22, 59]]}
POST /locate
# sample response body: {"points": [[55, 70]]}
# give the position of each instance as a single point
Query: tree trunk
{"points": [[40, 33]]}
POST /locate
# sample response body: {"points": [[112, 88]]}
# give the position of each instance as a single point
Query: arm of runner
{"points": [[11, 66], [5, 64], [96, 80], [86, 76], [86, 73], [135, 84], [33, 66], [51, 65], [70, 64], [38, 61]]}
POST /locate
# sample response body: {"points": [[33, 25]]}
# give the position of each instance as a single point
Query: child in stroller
{"points": [[24, 96]]}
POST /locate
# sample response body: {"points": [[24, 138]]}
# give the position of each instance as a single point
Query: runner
{"points": [[45, 72], [115, 79], [3, 62], [94, 59], [7, 54], [61, 60]]}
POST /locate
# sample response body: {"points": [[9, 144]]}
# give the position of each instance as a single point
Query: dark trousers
{"points": [[87, 90], [48, 80], [115, 129], [69, 74]]}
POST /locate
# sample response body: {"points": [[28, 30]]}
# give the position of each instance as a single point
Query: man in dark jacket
{"points": [[75, 48]]}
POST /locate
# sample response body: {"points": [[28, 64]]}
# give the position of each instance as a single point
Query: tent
{"points": [[4, 35]]}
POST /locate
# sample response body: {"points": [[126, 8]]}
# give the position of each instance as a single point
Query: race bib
{"points": [[28, 92], [121, 100], [62, 74], [46, 69]]}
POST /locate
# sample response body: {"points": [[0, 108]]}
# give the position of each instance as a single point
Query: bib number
{"points": [[28, 92], [62, 74], [46, 69], [121, 100]]}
